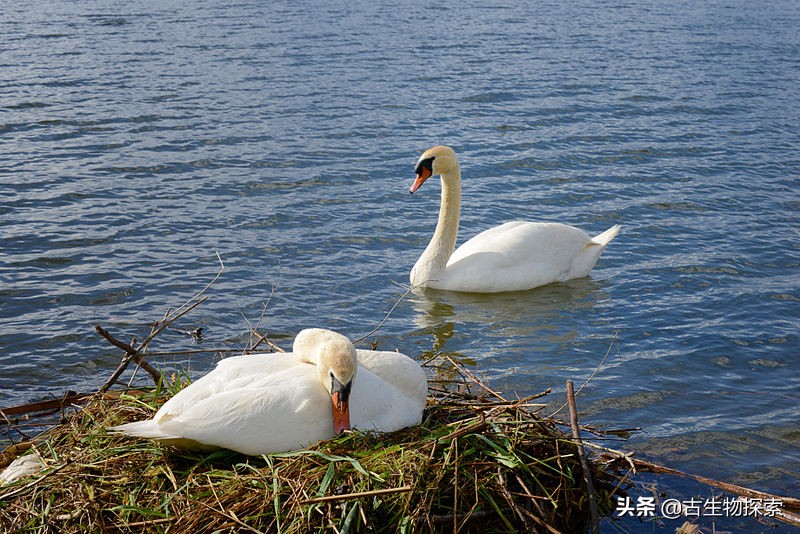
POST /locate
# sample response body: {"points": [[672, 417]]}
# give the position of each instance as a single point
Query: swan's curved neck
{"points": [[432, 263]]}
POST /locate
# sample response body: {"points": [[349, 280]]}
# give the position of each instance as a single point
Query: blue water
{"points": [[139, 140]]}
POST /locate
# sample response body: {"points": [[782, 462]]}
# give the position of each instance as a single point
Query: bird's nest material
{"points": [[478, 462]]}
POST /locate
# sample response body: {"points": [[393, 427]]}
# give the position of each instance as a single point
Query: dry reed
{"points": [[478, 462]]}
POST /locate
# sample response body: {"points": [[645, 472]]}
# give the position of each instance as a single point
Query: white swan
{"points": [[514, 256], [265, 403]]}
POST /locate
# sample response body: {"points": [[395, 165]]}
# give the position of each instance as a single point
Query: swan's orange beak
{"points": [[341, 413], [423, 173]]}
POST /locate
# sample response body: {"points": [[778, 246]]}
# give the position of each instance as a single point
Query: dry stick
{"points": [[386, 318], [491, 404], [169, 318], [189, 352], [587, 475], [478, 424], [621, 482], [130, 352], [267, 341], [48, 406], [540, 521], [41, 406], [467, 373], [454, 448], [157, 330], [221, 269], [230, 516], [254, 329], [122, 526], [790, 503], [596, 369], [523, 514], [357, 495], [142, 349], [462, 517]]}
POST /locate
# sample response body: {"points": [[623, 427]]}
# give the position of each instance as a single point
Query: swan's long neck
{"points": [[431, 264]]}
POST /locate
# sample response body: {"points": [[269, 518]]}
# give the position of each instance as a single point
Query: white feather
{"points": [[514, 256], [266, 403]]}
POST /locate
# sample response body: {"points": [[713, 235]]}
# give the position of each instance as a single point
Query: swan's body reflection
{"points": [[516, 335]]}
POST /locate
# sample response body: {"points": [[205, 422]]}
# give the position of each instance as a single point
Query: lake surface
{"points": [[137, 141]]}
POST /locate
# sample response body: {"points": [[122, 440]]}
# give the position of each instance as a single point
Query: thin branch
{"points": [[267, 341], [130, 353], [468, 374], [158, 327], [357, 495], [189, 352], [197, 295], [461, 517], [182, 310], [587, 474], [230, 516], [596, 369], [386, 318], [275, 286], [789, 503]]}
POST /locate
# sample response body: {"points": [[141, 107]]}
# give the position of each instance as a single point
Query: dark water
{"points": [[138, 140]]}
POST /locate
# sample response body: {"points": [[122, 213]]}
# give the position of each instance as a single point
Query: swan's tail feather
{"points": [[606, 237], [141, 429], [150, 430]]}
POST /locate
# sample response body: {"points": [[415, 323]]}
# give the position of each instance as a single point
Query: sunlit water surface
{"points": [[140, 140]]}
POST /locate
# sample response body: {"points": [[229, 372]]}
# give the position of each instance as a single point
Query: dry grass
{"points": [[477, 463]]}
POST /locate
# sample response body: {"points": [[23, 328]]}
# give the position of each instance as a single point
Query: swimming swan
{"points": [[265, 403], [514, 256]]}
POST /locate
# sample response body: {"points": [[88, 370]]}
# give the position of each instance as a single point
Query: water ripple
{"points": [[137, 143]]}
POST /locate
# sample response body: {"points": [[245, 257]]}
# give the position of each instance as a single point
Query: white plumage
{"points": [[266, 403], [514, 256]]}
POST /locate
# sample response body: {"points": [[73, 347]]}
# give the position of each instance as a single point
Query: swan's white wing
{"points": [[397, 369], [255, 420], [255, 404], [515, 256], [232, 373], [389, 392]]}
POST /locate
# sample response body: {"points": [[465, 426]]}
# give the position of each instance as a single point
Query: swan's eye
{"points": [[426, 163]]}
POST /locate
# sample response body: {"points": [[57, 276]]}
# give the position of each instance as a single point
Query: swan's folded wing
{"points": [[230, 374], [389, 392], [514, 256], [397, 369], [259, 421], [253, 404]]}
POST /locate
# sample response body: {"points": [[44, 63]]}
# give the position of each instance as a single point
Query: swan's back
{"points": [[254, 404], [522, 255]]}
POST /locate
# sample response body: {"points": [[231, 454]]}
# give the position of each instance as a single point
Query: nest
{"points": [[478, 462]]}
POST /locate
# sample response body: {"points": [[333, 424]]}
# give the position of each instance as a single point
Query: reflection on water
{"points": [[543, 313], [526, 338]]}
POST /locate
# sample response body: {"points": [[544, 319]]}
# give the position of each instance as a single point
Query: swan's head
{"points": [[436, 160], [336, 361]]}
